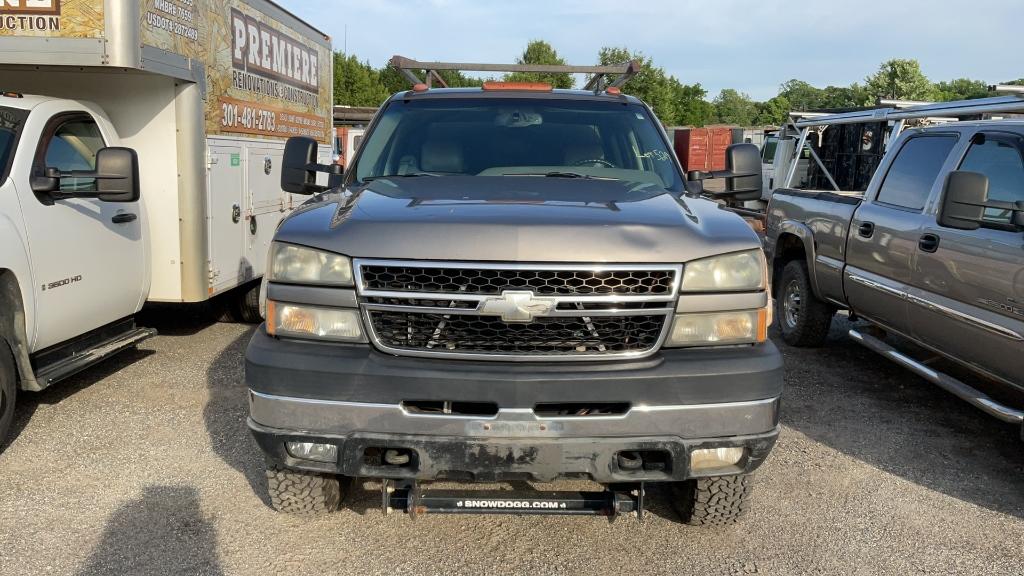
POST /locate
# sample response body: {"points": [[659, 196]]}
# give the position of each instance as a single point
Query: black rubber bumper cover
{"points": [[358, 373], [491, 459]]}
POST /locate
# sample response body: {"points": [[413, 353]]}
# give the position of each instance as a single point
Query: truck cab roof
{"points": [[22, 101]]}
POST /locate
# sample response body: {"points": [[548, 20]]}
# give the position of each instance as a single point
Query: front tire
{"points": [[8, 389], [715, 501], [302, 493], [240, 305], [803, 319]]}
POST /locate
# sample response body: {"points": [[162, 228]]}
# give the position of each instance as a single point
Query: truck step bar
{"points": [[406, 496], [75, 363], [974, 397]]}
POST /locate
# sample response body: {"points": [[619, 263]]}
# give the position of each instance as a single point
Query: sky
{"points": [[749, 45]]}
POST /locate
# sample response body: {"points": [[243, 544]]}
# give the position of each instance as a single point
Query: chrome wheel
{"points": [[791, 304]]}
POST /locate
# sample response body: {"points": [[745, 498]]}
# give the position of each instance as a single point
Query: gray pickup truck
{"points": [[511, 283], [933, 253]]}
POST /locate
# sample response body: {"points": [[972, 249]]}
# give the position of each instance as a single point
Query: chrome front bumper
{"points": [[335, 418]]}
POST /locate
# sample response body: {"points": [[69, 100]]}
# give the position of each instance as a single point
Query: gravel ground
{"points": [[144, 466]]}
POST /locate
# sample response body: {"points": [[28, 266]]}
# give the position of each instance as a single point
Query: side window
{"points": [[73, 145], [999, 158], [914, 171]]}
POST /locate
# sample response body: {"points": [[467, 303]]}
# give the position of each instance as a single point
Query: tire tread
{"points": [[302, 493]]}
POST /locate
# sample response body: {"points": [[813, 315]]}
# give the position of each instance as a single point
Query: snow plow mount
{"points": [[407, 496]]}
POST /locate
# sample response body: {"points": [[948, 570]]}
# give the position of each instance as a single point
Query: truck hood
{"points": [[516, 219]]}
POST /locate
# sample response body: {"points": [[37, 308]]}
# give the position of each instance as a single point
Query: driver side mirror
{"points": [[116, 176], [299, 167], [963, 200]]}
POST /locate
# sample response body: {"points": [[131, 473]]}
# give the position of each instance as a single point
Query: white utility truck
{"points": [[140, 156]]}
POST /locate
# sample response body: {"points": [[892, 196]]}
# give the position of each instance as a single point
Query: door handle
{"points": [[928, 243], [866, 229], [123, 218]]}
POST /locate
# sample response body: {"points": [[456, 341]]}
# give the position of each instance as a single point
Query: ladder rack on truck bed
{"points": [[897, 116], [597, 82]]}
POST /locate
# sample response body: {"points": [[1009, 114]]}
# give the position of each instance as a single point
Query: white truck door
{"points": [[88, 256], [266, 204], [225, 217]]}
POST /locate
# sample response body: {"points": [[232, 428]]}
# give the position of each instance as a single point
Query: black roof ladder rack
{"points": [[597, 82]]}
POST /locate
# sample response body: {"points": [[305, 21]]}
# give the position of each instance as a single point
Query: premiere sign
{"points": [[264, 51]]}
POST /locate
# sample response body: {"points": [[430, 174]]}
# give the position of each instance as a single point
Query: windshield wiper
{"points": [[409, 175], [561, 174]]}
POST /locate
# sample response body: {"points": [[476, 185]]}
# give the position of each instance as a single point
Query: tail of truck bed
{"points": [[811, 226]]}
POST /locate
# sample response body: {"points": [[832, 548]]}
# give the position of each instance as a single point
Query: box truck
{"points": [[140, 155]]}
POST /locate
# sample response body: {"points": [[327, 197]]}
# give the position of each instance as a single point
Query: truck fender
{"points": [[17, 328], [784, 248], [12, 328]]}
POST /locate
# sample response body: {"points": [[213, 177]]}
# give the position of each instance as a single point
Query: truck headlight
{"points": [[719, 328], [300, 265], [298, 321], [741, 271]]}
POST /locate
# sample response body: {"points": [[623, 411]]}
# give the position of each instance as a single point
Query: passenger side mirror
{"points": [[299, 167], [117, 175], [742, 175], [743, 162], [963, 200]]}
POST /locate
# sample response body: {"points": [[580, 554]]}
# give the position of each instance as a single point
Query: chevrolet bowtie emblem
{"points": [[516, 306]]}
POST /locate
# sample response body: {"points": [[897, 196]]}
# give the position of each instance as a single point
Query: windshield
{"points": [[11, 122], [518, 137]]}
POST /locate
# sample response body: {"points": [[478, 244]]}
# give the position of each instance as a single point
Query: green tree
{"points": [[540, 52], [692, 107], [850, 96], [801, 95], [773, 112], [357, 83], [734, 107], [1017, 82], [673, 102], [901, 80], [961, 89]]}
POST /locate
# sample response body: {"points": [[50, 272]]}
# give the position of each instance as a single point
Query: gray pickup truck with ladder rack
{"points": [[514, 283], [932, 252]]}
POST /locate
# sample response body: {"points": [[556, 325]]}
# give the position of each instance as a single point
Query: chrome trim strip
{"points": [[686, 421], [964, 317], [941, 309], [878, 286], [552, 314], [559, 299], [830, 262]]}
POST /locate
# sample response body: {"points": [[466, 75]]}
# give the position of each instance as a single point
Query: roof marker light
{"points": [[613, 90], [421, 87], [525, 86]]}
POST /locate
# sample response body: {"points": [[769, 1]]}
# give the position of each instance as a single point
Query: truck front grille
{"points": [[475, 280], [541, 312]]}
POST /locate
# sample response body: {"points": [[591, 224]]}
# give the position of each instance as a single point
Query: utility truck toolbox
{"points": [[512, 283], [140, 157]]}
